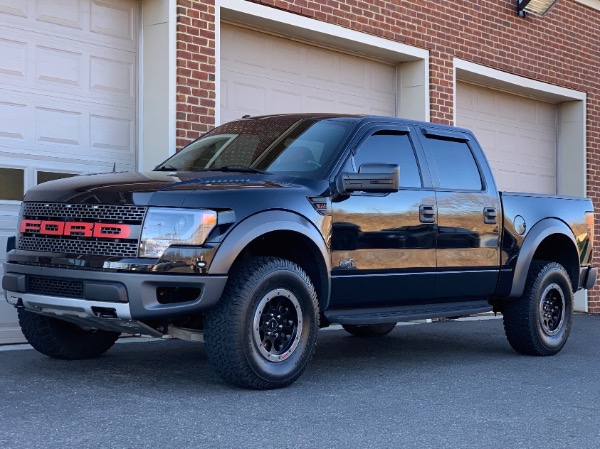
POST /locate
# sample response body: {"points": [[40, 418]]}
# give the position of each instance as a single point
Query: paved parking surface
{"points": [[440, 385]]}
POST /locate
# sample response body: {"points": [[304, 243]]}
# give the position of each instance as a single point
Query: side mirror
{"points": [[372, 178]]}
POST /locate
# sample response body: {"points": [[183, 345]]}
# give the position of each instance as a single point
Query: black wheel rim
{"points": [[552, 310], [277, 325]]}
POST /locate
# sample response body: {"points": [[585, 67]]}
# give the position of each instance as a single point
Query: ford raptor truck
{"points": [[267, 228]]}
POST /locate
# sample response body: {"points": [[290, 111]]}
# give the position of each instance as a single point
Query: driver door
{"points": [[384, 245]]}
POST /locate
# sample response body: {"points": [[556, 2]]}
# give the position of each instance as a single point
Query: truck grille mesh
{"points": [[78, 245], [104, 212], [73, 246], [56, 287]]}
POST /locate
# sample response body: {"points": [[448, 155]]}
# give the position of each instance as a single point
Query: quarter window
{"points": [[391, 147]]}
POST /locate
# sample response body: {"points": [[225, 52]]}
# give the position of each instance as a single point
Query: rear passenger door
{"points": [[469, 216], [383, 253]]}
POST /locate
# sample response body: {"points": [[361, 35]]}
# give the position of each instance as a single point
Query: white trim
{"points": [[140, 91], [469, 71], [217, 116], [172, 61], [282, 20], [594, 4], [157, 82], [415, 60]]}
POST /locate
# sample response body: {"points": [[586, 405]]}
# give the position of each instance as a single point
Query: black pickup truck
{"points": [[267, 228]]}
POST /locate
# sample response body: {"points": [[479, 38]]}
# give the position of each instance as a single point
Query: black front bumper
{"points": [[105, 294]]}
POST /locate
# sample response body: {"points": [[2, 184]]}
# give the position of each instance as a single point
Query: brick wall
{"points": [[562, 49]]}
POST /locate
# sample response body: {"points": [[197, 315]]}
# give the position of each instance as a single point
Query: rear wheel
{"points": [[63, 340], [263, 332], [539, 322], [369, 330]]}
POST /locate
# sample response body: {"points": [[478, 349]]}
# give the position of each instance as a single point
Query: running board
{"points": [[406, 313]]}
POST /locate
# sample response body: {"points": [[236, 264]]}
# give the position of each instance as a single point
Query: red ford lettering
{"points": [[111, 231], [75, 229], [79, 229]]}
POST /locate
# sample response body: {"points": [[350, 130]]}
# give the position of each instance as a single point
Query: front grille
{"points": [[103, 212], [74, 246], [74, 242], [56, 287]]}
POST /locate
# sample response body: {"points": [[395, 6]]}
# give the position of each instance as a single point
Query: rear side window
{"points": [[455, 164]]}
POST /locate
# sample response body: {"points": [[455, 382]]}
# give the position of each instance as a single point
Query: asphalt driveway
{"points": [[439, 385]]}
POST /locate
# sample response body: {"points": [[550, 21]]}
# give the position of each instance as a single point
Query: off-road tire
{"points": [[263, 331], [539, 322], [63, 340], [369, 330]]}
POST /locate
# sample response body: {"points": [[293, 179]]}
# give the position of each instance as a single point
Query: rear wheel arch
{"points": [[550, 240]]}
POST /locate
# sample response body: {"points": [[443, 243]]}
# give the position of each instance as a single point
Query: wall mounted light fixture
{"points": [[538, 7]]}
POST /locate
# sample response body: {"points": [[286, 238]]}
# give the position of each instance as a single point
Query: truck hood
{"points": [[158, 188]]}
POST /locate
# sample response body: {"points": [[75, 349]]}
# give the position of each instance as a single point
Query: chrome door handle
{"points": [[426, 213]]}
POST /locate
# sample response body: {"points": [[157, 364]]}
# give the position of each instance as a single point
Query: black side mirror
{"points": [[372, 178]]}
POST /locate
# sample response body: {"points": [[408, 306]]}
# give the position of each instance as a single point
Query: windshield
{"points": [[302, 147]]}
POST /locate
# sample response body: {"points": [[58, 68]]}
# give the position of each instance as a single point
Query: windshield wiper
{"points": [[237, 168], [166, 168]]}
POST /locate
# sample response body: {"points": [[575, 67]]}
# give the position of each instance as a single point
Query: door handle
{"points": [[426, 213], [490, 216]]}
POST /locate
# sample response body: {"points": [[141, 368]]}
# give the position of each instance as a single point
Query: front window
{"points": [[290, 145]]}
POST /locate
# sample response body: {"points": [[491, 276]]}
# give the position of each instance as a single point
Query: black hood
{"points": [[156, 188]]}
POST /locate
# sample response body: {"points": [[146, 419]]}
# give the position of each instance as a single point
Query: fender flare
{"points": [[263, 223], [540, 231]]}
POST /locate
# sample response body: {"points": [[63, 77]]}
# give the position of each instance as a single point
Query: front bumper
{"points": [[108, 297]]}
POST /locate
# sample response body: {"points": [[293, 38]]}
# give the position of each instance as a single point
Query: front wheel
{"points": [[63, 340], [263, 332], [539, 322]]}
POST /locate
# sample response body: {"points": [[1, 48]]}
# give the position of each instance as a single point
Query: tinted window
{"points": [[390, 147], [280, 144], [455, 164]]}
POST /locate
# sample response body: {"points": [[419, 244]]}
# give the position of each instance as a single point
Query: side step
{"points": [[407, 313]]}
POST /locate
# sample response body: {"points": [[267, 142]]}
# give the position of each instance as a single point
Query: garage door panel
{"points": [[383, 80], [264, 74], [287, 56], [111, 23], [280, 101], [60, 12], [114, 19], [13, 58], [13, 121], [112, 77], [18, 8], [518, 134]]}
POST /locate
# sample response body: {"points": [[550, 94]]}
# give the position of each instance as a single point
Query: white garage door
{"points": [[518, 135], [68, 78], [265, 74]]}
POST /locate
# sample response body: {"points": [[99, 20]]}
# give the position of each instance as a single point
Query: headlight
{"points": [[165, 227]]}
